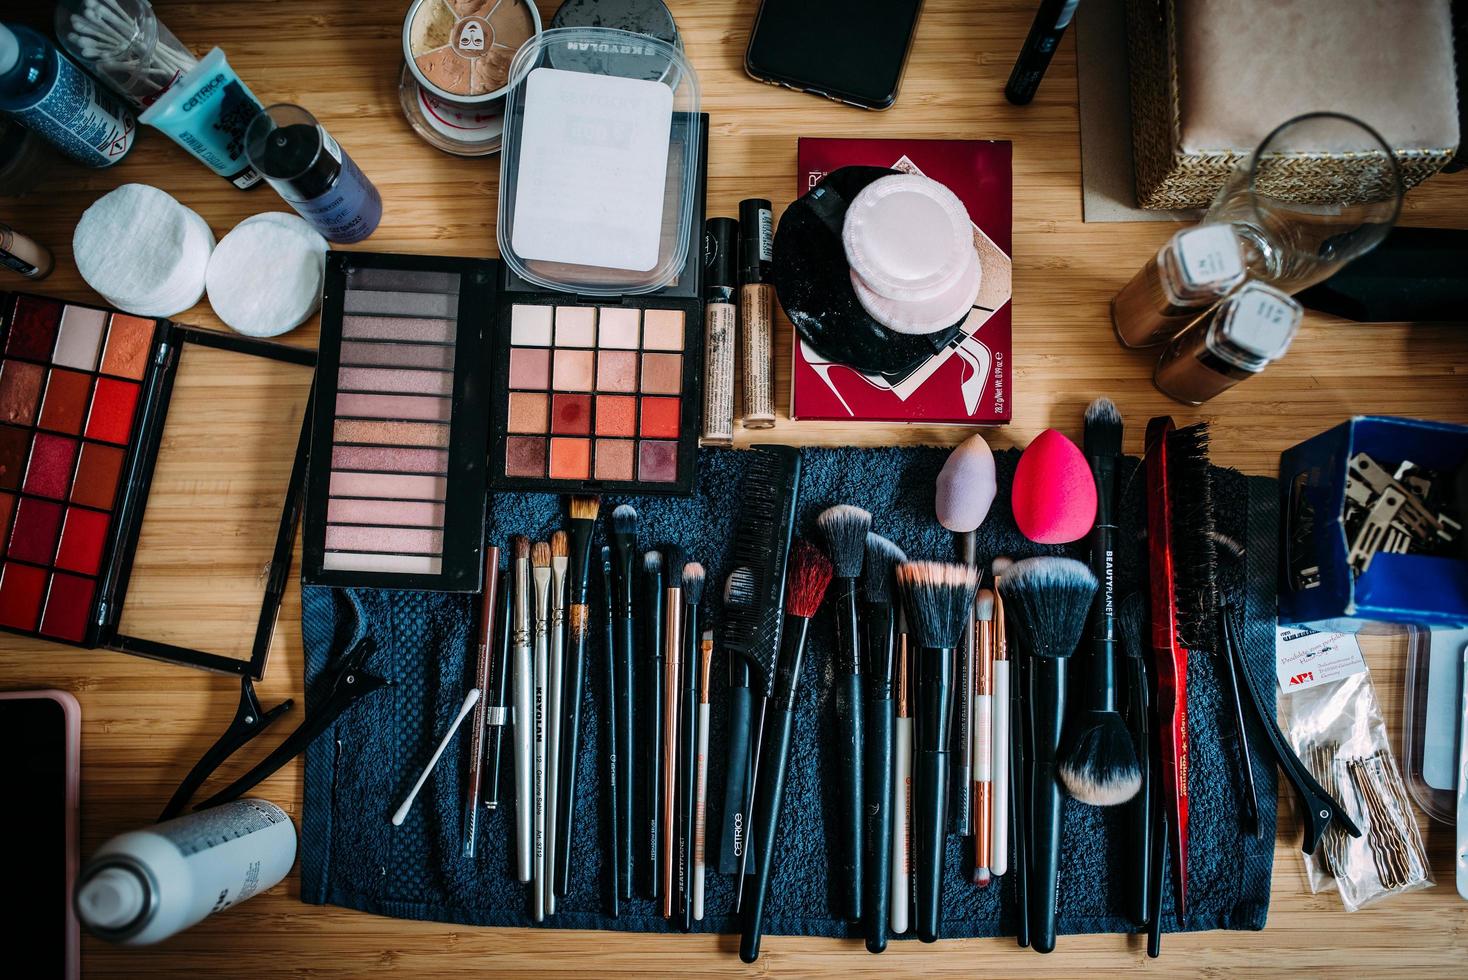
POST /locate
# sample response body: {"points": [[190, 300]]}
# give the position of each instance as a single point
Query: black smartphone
{"points": [[852, 51]]}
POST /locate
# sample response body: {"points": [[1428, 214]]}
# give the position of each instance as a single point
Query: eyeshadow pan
{"points": [[657, 462], [37, 524], [113, 406], [530, 326], [434, 357], [67, 605], [7, 507], [80, 337], [410, 513], [528, 412], [614, 459], [662, 374], [571, 415], [414, 329], [14, 444], [399, 540], [574, 370], [570, 458], [394, 381], [575, 326], [83, 537], [616, 415], [49, 471], [524, 456], [129, 341], [619, 327], [21, 589], [428, 305], [64, 408], [96, 476], [394, 407], [662, 329], [616, 370], [403, 280], [33, 327], [389, 459], [384, 486], [660, 418], [351, 561], [385, 433], [529, 368], [20, 391]]}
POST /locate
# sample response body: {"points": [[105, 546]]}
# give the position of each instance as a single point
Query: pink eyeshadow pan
{"points": [[657, 462], [389, 459], [385, 539], [662, 374], [415, 329], [384, 486], [662, 330], [616, 370], [529, 368], [614, 459], [393, 407], [396, 380], [574, 370], [409, 513]]}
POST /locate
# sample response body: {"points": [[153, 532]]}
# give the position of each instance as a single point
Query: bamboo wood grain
{"points": [[145, 723]]}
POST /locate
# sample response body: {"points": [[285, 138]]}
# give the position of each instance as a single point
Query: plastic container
{"points": [[123, 43], [206, 112], [1431, 720], [581, 213], [46, 91]]}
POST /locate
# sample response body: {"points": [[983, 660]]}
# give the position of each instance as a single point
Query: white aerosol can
{"points": [[146, 885]]}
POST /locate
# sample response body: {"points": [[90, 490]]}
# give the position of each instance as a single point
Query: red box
{"points": [[969, 382]]}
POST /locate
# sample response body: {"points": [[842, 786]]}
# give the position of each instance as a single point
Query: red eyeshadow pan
{"points": [[96, 476], [67, 605], [49, 472], [111, 418], [7, 507], [82, 540], [65, 406], [21, 588], [571, 415], [660, 418], [34, 535], [14, 446], [20, 391], [33, 328]]}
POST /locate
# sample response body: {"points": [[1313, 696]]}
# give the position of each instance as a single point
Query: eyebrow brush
{"points": [[653, 596], [623, 686], [584, 511]]}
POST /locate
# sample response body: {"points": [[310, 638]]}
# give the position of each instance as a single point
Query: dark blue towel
{"points": [[358, 771]]}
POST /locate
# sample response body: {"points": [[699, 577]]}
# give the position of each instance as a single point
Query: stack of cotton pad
{"points": [[909, 242], [143, 251], [266, 275]]}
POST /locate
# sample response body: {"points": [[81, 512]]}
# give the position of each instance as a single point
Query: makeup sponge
{"points": [[265, 276], [966, 486], [143, 251], [1054, 495]]}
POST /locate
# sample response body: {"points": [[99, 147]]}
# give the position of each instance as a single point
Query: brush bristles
{"points": [[692, 583], [585, 508], [1048, 600], [844, 528], [560, 545], [1103, 428], [1001, 565], [1194, 547], [1131, 624], [652, 562], [739, 589], [520, 547], [984, 605], [624, 519], [806, 579], [1100, 764], [938, 596], [879, 572], [673, 562], [540, 555]]}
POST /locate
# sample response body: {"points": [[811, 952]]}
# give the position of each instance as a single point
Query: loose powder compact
{"points": [[461, 50]]}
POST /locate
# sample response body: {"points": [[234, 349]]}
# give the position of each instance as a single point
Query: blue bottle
{"points": [[313, 173], [48, 93]]}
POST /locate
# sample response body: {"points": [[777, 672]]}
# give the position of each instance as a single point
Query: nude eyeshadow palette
{"points": [[83, 398]]}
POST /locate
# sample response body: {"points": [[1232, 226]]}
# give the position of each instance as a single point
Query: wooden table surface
{"points": [[144, 723]]}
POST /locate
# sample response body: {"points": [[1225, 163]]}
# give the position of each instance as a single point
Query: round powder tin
{"points": [[649, 17], [466, 131], [460, 50]]}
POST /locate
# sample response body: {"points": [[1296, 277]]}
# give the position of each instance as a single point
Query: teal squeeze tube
{"points": [[207, 112]]}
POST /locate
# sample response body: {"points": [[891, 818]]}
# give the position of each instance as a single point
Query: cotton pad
{"points": [[265, 276], [143, 251], [966, 486], [1054, 495]]}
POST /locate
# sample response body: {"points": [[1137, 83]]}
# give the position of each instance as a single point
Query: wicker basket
{"points": [[1170, 178]]}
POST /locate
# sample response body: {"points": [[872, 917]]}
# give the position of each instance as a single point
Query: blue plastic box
{"points": [[1318, 588]]}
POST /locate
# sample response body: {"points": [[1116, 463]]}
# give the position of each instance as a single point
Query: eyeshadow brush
{"points": [[584, 512], [498, 716], [469, 825], [554, 690], [844, 528], [878, 579], [672, 676], [524, 705], [700, 822], [624, 545], [540, 561], [654, 597], [693, 579], [902, 788], [983, 756], [613, 737]]}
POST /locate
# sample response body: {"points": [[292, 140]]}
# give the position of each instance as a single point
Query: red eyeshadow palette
{"points": [[84, 394]]}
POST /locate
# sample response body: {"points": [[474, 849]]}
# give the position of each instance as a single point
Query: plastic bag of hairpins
{"points": [[1337, 730]]}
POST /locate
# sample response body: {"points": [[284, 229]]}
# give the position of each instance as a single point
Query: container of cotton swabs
{"points": [[123, 43]]}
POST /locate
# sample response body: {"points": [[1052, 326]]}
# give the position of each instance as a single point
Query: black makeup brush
{"points": [[693, 579], [612, 737], [878, 582], [1131, 626], [1099, 765], [808, 573], [938, 597], [845, 528], [740, 595], [652, 736], [624, 547], [1047, 600], [584, 511]]}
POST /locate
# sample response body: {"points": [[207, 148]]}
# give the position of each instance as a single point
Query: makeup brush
{"points": [[1099, 764], [654, 597], [554, 690], [613, 742], [693, 578], [902, 788], [701, 789], [844, 529], [938, 597], [740, 611], [1003, 783], [540, 561], [878, 583], [808, 573], [1131, 630], [624, 547], [500, 709], [478, 727], [1047, 601], [584, 512], [524, 704], [983, 794], [672, 675]]}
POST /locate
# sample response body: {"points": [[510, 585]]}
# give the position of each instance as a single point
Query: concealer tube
{"points": [[757, 312], [1193, 271], [720, 242], [1250, 329], [23, 254]]}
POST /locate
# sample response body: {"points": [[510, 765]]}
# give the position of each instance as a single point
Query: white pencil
{"points": [[407, 804]]}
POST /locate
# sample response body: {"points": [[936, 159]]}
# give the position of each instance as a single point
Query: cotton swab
{"points": [[469, 701]]}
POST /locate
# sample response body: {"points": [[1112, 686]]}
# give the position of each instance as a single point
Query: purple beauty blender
{"points": [[1054, 495], [966, 486]]}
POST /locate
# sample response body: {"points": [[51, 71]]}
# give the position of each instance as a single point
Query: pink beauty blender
{"points": [[1054, 495], [966, 486]]}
